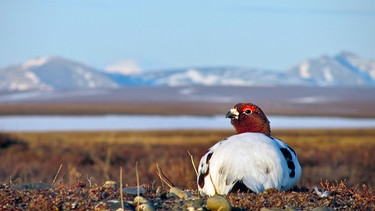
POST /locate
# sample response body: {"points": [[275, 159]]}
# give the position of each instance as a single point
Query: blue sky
{"points": [[151, 35]]}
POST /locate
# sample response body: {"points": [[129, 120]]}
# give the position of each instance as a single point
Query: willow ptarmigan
{"points": [[250, 160]]}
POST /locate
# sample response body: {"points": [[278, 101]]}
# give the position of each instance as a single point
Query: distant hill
{"points": [[344, 69], [224, 76], [56, 73], [52, 73]]}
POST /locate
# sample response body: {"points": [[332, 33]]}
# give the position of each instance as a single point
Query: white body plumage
{"points": [[255, 159]]}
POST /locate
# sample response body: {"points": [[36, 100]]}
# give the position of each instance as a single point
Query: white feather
{"points": [[253, 158]]}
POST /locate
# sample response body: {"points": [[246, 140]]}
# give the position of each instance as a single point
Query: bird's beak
{"points": [[233, 113]]}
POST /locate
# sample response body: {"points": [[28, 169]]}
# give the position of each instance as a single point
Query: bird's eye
{"points": [[248, 111]]}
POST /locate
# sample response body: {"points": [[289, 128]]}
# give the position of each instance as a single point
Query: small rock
{"points": [[180, 193], [197, 203], [140, 200], [219, 203], [134, 190], [192, 204], [110, 184], [289, 208], [323, 209], [116, 204], [142, 203], [146, 207]]}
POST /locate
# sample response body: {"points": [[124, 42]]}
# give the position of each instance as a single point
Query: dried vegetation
{"points": [[89, 159]]}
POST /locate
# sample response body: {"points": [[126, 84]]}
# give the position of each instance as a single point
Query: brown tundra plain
{"points": [[338, 161]]}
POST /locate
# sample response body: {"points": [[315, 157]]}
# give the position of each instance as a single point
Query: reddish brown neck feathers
{"points": [[247, 117]]}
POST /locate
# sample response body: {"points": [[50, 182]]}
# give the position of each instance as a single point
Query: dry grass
{"points": [[97, 156]]}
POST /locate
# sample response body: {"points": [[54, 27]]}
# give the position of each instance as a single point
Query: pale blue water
{"points": [[139, 122]]}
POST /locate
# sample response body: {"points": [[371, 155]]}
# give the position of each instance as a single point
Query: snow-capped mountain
{"points": [[344, 69], [55, 73], [49, 73], [223, 76]]}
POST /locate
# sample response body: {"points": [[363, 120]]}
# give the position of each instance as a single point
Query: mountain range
{"points": [[57, 73]]}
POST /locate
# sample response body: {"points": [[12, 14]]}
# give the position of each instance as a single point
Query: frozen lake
{"points": [[139, 122]]}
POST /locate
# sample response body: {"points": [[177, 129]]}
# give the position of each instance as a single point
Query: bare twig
{"points": [[57, 173], [89, 180], [161, 179], [121, 194], [137, 177], [192, 162], [213, 184], [162, 176]]}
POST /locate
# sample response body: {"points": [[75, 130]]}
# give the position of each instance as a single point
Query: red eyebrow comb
{"points": [[251, 107]]}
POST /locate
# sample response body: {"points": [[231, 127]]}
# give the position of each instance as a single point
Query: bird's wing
{"points": [[293, 174]]}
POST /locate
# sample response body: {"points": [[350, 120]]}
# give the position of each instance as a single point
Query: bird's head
{"points": [[248, 117]]}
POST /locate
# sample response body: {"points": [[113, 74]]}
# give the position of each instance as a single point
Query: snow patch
{"points": [[18, 87], [35, 62], [236, 82], [372, 73], [33, 78], [183, 78], [127, 67], [328, 74], [197, 78], [304, 70]]}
